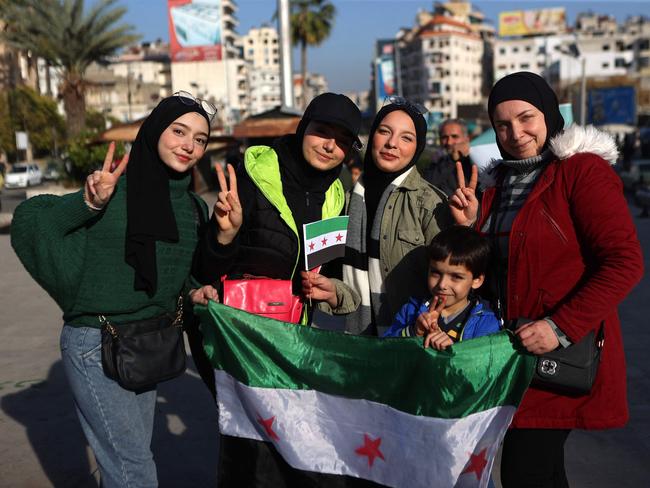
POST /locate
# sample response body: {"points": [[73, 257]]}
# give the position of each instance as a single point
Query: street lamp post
{"points": [[573, 51], [285, 54]]}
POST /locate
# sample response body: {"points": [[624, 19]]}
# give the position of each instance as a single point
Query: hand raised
{"points": [[227, 209], [318, 287], [463, 203], [100, 185], [427, 322]]}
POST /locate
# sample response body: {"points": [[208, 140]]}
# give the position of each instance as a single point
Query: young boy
{"points": [[458, 259]]}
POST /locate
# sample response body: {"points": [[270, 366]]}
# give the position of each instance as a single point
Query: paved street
{"points": [[41, 443]]}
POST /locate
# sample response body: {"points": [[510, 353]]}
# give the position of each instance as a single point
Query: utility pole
{"points": [[286, 76], [583, 92]]}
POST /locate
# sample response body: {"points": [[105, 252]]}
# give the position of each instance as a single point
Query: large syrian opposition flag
{"points": [[321, 408], [324, 240]]}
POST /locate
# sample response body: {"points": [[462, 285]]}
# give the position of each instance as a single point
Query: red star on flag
{"points": [[324, 241], [311, 246], [267, 424], [477, 463], [370, 448], [339, 237]]}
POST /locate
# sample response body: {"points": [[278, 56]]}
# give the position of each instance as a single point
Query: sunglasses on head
{"points": [[188, 99], [403, 102]]}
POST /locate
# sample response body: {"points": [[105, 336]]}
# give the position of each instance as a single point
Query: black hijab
{"points": [[533, 89], [375, 180], [149, 214], [303, 185]]}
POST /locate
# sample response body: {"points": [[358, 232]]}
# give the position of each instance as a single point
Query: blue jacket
{"points": [[481, 321]]}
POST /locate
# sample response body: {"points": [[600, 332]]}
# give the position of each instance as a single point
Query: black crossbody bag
{"points": [[570, 370], [138, 355]]}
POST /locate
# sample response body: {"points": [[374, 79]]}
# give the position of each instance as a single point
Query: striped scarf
{"points": [[518, 182], [361, 268]]}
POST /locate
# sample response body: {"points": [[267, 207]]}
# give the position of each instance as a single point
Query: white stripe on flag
{"points": [[324, 433], [331, 239]]}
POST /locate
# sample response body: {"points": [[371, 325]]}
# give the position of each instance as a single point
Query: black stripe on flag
{"points": [[325, 255]]}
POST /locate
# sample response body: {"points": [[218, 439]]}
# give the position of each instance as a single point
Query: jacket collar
{"points": [[573, 140]]}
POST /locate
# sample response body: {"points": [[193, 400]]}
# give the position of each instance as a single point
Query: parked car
{"points": [[23, 175], [53, 170]]}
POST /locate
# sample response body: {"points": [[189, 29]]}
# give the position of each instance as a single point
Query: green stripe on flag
{"points": [[468, 377], [324, 226]]}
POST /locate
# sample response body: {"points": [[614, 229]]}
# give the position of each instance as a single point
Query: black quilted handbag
{"points": [[138, 355], [571, 370]]}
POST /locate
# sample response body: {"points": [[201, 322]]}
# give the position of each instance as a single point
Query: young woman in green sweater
{"points": [[122, 247]]}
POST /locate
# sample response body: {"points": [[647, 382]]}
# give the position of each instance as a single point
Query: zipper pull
{"points": [[307, 198]]}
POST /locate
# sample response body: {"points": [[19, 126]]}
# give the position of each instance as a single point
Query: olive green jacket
{"points": [[414, 213]]}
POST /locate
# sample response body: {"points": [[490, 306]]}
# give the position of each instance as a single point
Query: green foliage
{"points": [[23, 109], [85, 156], [97, 121], [69, 37], [311, 21]]}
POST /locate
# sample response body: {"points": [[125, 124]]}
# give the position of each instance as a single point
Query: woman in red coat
{"points": [[566, 255]]}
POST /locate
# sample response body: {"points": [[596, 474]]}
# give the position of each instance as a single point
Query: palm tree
{"points": [[68, 38], [311, 23]]}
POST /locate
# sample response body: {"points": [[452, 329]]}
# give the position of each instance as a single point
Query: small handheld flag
{"points": [[324, 240]]}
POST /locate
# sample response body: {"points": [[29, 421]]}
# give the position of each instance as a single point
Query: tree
{"points": [[311, 23], [22, 109], [68, 38]]}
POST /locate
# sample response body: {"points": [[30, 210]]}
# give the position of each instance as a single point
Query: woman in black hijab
{"points": [[121, 248], [257, 224], [394, 214], [566, 253]]}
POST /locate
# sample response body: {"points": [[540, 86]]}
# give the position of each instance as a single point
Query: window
{"points": [[528, 49], [605, 65], [515, 49], [502, 50], [525, 66], [605, 47]]}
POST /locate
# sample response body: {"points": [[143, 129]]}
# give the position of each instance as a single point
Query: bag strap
{"points": [[600, 336], [496, 258]]}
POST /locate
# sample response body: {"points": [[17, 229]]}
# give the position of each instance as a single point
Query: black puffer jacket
{"points": [[266, 244]]}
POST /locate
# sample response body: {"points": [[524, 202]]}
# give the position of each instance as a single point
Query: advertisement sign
{"points": [[615, 105], [385, 72], [22, 141], [532, 22], [194, 30]]}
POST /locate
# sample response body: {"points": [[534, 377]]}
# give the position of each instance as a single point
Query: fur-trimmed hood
{"points": [[573, 140]]}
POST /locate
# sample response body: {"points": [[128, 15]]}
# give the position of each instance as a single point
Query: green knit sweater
{"points": [[77, 255]]}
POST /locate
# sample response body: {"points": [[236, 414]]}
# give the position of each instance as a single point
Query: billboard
{"points": [[532, 22], [194, 30], [385, 73], [615, 105]]}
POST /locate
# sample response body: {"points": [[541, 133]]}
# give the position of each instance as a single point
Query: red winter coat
{"points": [[573, 256]]}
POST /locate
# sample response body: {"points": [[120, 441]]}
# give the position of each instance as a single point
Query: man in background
{"points": [[454, 139]]}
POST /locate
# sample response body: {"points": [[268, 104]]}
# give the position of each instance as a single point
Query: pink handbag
{"points": [[263, 296]]}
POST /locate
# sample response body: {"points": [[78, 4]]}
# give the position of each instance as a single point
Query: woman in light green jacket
{"points": [[394, 214]]}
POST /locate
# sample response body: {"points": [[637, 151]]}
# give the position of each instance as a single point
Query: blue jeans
{"points": [[118, 423]]}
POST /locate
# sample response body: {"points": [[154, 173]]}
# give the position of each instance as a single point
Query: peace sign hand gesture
{"points": [[463, 202], [227, 209], [100, 185], [427, 321]]}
